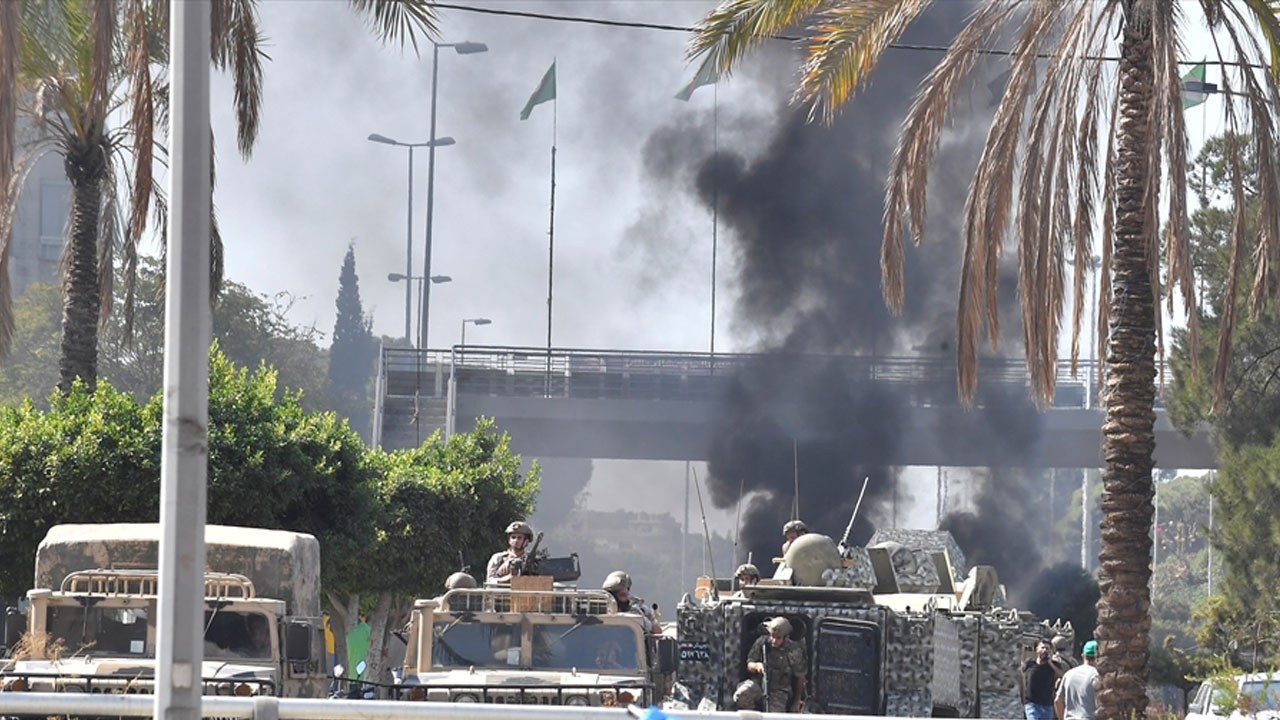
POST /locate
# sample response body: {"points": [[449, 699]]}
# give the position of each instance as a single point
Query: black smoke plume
{"points": [[802, 219]]}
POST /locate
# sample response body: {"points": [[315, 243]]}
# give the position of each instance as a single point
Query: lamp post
{"points": [[474, 321], [435, 280], [408, 252], [462, 48]]}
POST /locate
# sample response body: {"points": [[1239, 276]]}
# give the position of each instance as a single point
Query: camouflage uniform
{"points": [[783, 666], [496, 562]]}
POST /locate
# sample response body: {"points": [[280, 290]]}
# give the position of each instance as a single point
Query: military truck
{"points": [[534, 642], [887, 630], [91, 615]]}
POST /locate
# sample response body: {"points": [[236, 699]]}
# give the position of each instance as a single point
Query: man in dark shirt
{"points": [[1039, 682]]}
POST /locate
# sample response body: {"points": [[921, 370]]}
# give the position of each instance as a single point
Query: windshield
{"points": [[610, 648], [99, 630], [1259, 695], [236, 635], [556, 646], [490, 645]]}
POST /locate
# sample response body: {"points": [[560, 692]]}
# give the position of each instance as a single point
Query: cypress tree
{"points": [[352, 354]]}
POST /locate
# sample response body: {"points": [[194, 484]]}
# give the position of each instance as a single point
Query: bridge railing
{"points": [[675, 376]]}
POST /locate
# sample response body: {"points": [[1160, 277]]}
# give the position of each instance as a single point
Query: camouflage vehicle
{"points": [[91, 617], [887, 630], [533, 642]]}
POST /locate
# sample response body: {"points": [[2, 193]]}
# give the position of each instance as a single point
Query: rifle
{"points": [[764, 676], [528, 565], [844, 539]]}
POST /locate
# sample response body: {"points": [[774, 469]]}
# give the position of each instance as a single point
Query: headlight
{"points": [[577, 701], [465, 698], [16, 685]]}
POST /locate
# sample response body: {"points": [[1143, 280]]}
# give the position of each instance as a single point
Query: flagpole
{"points": [[551, 233]]}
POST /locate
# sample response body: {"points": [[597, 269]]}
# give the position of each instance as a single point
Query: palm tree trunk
{"points": [[1124, 621], [86, 168]]}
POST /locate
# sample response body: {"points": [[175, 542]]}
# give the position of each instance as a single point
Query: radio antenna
{"points": [[795, 478], [706, 534], [737, 521]]}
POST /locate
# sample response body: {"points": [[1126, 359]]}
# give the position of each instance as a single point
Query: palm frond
{"points": [[142, 120], [9, 31], [729, 31], [905, 194], [847, 42], [399, 21], [238, 43], [101, 61]]}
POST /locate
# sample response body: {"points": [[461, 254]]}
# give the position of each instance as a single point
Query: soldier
{"points": [[459, 580], [791, 531], [1062, 654], [777, 666], [747, 574], [618, 584], [503, 565]]}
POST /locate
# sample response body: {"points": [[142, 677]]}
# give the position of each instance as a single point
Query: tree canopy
{"points": [[388, 523]]}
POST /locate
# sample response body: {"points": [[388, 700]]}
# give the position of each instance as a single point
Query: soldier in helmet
{"points": [[747, 574], [775, 663], [510, 562], [459, 581], [618, 584], [791, 531]]}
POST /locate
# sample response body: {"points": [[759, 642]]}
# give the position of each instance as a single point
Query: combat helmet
{"points": [[521, 527], [779, 626], [795, 526], [617, 580], [459, 580], [747, 569]]}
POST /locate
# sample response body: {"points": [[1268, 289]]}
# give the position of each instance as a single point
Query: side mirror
{"points": [[667, 655], [297, 642]]}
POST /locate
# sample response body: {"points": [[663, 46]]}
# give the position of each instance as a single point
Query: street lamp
{"points": [[474, 321], [462, 48], [435, 280], [408, 259]]}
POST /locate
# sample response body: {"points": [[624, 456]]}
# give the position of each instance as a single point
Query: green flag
{"points": [[545, 91], [1194, 88], [706, 76]]}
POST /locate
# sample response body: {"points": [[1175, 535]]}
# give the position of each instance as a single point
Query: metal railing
{"points": [[568, 373], [272, 708]]}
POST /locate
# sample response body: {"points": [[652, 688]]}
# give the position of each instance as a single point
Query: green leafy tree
{"points": [[250, 329], [1249, 407], [75, 68], [436, 505], [31, 368], [353, 352], [1037, 186], [95, 457]]}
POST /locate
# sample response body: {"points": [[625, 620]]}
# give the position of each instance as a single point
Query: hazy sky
{"points": [[628, 274], [633, 246]]}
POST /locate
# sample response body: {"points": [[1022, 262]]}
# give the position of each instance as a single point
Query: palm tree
{"points": [[1080, 72], [73, 67]]}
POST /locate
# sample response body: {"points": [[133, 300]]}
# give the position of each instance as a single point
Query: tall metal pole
{"points": [[1084, 520], [423, 312], [188, 321], [408, 260]]}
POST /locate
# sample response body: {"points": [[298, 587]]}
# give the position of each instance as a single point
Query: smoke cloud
{"points": [[801, 223]]}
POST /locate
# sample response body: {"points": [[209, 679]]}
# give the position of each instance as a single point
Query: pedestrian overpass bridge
{"points": [[612, 404]]}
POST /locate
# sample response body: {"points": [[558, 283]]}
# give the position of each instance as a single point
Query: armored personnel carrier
{"points": [[887, 629]]}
